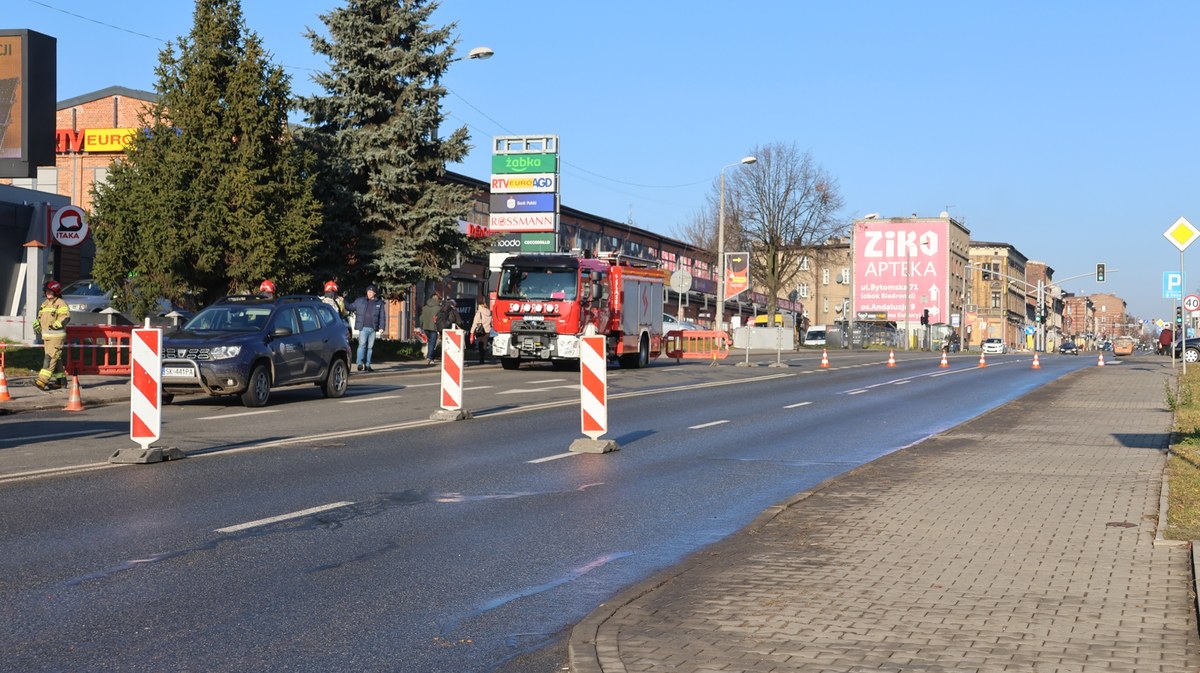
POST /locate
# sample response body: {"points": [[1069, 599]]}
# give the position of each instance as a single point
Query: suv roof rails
{"points": [[238, 298]]}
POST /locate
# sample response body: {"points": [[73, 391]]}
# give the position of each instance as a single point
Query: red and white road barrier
{"points": [[145, 400], [452, 377], [145, 395], [593, 396]]}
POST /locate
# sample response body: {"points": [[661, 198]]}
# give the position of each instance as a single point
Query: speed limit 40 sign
{"points": [[1191, 302]]}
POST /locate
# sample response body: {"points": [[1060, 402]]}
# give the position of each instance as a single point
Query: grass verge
{"points": [[1183, 463]]}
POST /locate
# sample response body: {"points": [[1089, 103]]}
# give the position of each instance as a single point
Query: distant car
{"points": [[1124, 345], [245, 346], [86, 296], [1068, 348], [994, 346], [671, 323]]}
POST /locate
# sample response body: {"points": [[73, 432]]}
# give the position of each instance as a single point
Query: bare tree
{"points": [[784, 206]]}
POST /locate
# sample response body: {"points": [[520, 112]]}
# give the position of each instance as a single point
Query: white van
{"points": [[815, 336]]}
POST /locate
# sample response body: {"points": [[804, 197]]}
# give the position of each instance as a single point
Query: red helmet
{"points": [[53, 286], [266, 286], [330, 286]]}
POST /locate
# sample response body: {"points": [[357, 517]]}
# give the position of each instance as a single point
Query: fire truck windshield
{"points": [[538, 284]]}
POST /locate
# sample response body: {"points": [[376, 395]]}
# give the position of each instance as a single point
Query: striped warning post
{"points": [[145, 395], [452, 369], [145, 400], [593, 380], [593, 396]]}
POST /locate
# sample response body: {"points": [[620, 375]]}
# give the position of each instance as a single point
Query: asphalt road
{"points": [[406, 544]]}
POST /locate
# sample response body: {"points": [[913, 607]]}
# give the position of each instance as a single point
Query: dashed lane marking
{"points": [[283, 517], [705, 425], [244, 413]]}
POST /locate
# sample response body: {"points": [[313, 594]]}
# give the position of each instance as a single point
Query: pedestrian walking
{"points": [[481, 328], [370, 316], [429, 314], [51, 326]]}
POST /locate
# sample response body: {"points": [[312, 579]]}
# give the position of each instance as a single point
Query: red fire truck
{"points": [[545, 302]]}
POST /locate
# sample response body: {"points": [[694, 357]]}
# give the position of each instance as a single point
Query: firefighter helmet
{"points": [[330, 286], [266, 286], [53, 286]]}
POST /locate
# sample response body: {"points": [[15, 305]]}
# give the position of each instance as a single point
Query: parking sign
{"points": [[1172, 285]]}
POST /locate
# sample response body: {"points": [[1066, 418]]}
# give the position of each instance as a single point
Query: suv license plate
{"points": [[178, 372]]}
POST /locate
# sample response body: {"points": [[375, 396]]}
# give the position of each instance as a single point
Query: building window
{"points": [[100, 176], [46, 181], [825, 305], [845, 275], [824, 276], [803, 290], [804, 263], [995, 299]]}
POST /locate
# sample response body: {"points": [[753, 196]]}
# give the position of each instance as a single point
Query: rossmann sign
{"points": [[74, 141]]}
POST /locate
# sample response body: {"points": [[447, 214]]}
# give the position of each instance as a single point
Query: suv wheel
{"points": [[336, 380], [1191, 355], [258, 387]]}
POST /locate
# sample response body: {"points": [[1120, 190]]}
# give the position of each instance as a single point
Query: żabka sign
{"points": [[900, 268]]}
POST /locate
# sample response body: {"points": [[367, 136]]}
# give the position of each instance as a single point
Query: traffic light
{"points": [[925, 317], [1178, 315], [1100, 272], [1039, 317]]}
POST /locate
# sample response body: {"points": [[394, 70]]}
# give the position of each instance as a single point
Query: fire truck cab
{"points": [[545, 302]]}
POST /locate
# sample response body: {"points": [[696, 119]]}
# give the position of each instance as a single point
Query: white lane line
{"points": [[798, 404], [283, 517], [244, 413], [518, 391], [554, 457], [856, 392], [52, 436], [705, 425], [900, 383], [548, 381], [370, 399], [478, 387], [422, 385]]}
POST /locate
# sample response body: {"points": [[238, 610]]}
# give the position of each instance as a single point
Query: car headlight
{"points": [[77, 307], [224, 352]]}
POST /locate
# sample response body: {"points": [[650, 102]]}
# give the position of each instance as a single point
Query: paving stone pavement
{"points": [[1021, 541]]}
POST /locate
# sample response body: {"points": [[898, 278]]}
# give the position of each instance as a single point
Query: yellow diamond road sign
{"points": [[1182, 233]]}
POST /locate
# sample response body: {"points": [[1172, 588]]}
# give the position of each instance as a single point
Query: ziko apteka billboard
{"points": [[900, 268], [28, 84]]}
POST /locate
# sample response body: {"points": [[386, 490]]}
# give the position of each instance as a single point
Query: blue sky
{"points": [[1067, 129]]}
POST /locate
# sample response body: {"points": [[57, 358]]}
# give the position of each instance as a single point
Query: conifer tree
{"points": [[215, 195], [389, 217]]}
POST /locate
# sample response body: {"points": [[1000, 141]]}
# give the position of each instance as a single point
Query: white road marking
{"points": [[856, 392], [283, 517], [548, 381], [370, 399], [52, 436], [705, 425], [798, 404], [517, 391], [554, 457], [477, 387], [244, 413]]}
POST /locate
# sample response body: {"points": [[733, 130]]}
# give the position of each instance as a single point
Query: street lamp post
{"points": [[721, 244]]}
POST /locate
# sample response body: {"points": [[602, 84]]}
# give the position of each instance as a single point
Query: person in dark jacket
{"points": [[429, 314], [370, 316]]}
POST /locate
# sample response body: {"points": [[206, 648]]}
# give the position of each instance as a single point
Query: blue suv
{"points": [[245, 345]]}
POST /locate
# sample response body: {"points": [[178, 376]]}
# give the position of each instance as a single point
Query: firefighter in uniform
{"points": [[51, 325]]}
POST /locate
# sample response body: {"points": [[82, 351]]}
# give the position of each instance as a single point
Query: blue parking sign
{"points": [[1172, 285]]}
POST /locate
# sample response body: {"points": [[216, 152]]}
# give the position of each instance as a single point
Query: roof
{"points": [[108, 92]]}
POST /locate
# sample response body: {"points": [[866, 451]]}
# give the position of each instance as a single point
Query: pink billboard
{"points": [[900, 268]]}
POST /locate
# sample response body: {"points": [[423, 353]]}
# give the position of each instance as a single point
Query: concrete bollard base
{"points": [[154, 454], [587, 445], [450, 415]]}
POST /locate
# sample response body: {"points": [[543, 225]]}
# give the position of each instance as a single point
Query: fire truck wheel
{"points": [[510, 363], [640, 359]]}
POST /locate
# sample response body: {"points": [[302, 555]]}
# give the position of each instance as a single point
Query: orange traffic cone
{"points": [[824, 359], [891, 358], [73, 401], [1100, 362], [944, 363], [982, 362], [4, 396], [1036, 364]]}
